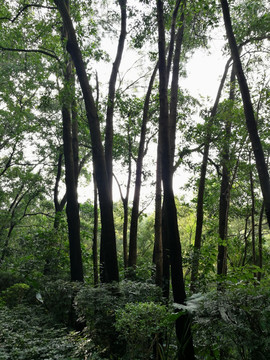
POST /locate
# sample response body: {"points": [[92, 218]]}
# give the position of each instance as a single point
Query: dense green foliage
{"points": [[44, 315]]}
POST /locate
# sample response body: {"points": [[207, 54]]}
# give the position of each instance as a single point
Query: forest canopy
{"points": [[103, 245]]}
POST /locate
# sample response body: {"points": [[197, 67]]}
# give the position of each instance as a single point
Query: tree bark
{"points": [[158, 247], [110, 265], [72, 208], [200, 199], [175, 85], [71, 169], [260, 248], [249, 112], [253, 235], [111, 94], [132, 260], [95, 233], [224, 198], [183, 331]]}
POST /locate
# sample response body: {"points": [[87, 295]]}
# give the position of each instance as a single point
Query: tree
{"points": [[110, 266], [249, 112], [170, 216]]}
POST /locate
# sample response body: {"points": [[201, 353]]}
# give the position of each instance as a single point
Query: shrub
{"points": [[58, 298], [8, 279], [16, 294], [235, 323], [97, 306], [141, 325]]}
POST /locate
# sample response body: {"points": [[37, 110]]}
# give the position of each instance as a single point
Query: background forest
{"points": [[103, 253]]}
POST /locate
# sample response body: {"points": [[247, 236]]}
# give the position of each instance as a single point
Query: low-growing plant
{"points": [[16, 294], [58, 297], [8, 279], [96, 306], [234, 324], [30, 332], [141, 325]]}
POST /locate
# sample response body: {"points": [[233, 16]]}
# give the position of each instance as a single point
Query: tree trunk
{"points": [[175, 86], [224, 198], [246, 235], [183, 331], [72, 209], [158, 248], [58, 206], [132, 260], [110, 265], [200, 199], [70, 141], [111, 94], [125, 200], [253, 235], [249, 112], [260, 243], [95, 234]]}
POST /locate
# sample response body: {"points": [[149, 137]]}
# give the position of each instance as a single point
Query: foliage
{"points": [[96, 307], [31, 333], [141, 324], [58, 298], [15, 294], [235, 323], [8, 279]]}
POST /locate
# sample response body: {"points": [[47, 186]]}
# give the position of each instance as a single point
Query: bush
{"points": [[58, 298], [8, 279], [141, 326], [15, 294], [234, 323], [97, 307]]}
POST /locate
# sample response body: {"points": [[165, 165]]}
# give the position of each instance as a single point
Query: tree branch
{"points": [[24, 8], [44, 52]]}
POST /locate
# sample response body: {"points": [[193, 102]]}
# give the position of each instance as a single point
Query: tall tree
{"points": [[224, 198], [132, 260], [200, 199], [249, 111], [110, 265], [170, 215]]}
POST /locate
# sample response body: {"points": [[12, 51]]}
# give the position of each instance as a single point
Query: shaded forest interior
{"points": [[103, 255]]}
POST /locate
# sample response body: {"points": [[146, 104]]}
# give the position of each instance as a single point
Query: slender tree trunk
{"points": [[246, 235], [132, 260], [95, 234], [109, 139], [200, 199], [224, 198], [72, 209], [249, 112], [260, 260], [71, 170], [58, 208], [5, 248], [253, 235], [175, 85], [111, 94], [158, 247], [125, 200], [183, 331], [109, 257]]}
